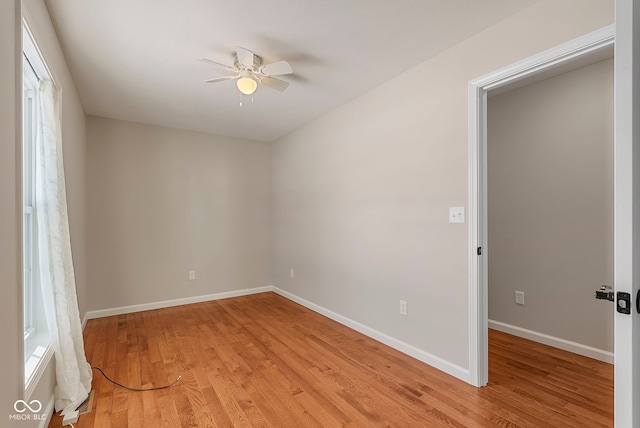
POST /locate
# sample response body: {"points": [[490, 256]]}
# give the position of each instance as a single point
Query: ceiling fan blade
{"points": [[220, 79], [276, 68], [208, 61], [245, 57], [272, 82]]}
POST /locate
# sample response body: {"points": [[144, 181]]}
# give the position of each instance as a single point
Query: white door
{"points": [[627, 211]]}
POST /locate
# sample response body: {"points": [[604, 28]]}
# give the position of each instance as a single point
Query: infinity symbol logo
{"points": [[21, 409]]}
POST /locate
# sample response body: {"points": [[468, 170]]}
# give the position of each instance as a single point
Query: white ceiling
{"points": [[136, 60]]}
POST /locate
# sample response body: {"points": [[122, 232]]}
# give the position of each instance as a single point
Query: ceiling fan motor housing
{"points": [[257, 62]]}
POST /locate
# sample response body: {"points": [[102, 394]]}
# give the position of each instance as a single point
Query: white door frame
{"points": [[478, 277]]}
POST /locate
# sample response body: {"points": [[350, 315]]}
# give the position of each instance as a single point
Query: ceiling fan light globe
{"points": [[247, 85]]}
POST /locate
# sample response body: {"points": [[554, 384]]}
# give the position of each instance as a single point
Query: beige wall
{"points": [[361, 195], [550, 187], [163, 202], [10, 379]]}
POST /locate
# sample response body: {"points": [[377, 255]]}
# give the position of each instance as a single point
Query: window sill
{"points": [[37, 359]]}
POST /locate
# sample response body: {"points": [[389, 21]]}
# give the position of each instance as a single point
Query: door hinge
{"points": [[479, 251]]}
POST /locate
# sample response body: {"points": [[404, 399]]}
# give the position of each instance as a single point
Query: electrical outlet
{"points": [[292, 273], [520, 298], [403, 308], [192, 275]]}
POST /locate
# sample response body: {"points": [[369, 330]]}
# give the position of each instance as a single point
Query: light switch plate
{"points": [[456, 214]]}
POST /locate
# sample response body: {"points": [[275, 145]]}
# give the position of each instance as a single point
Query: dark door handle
{"points": [[638, 302]]}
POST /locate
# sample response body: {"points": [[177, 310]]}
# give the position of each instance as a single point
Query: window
{"points": [[29, 113], [36, 339]]}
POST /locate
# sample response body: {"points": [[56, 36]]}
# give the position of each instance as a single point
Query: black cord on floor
{"points": [[136, 389]]}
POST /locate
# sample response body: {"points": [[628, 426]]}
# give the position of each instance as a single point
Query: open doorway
{"points": [[550, 232], [550, 208], [555, 61]]}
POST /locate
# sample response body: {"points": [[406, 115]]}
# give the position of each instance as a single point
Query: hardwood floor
{"points": [[263, 360]]}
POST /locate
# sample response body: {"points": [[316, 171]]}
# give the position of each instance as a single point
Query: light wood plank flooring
{"points": [[264, 361]]}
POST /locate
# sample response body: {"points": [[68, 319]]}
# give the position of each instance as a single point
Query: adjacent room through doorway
{"points": [[550, 215]]}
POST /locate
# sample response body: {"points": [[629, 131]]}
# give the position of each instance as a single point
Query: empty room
{"points": [[313, 214]]}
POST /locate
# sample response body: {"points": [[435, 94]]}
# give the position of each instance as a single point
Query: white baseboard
{"points": [[175, 302], [48, 410], [437, 362], [556, 342]]}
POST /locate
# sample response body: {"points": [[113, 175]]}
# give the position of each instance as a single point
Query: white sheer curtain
{"points": [[73, 373]]}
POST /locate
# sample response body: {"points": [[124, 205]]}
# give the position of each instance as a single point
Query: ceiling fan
{"points": [[248, 71]]}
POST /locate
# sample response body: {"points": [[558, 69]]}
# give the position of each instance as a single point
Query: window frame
{"points": [[37, 348]]}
